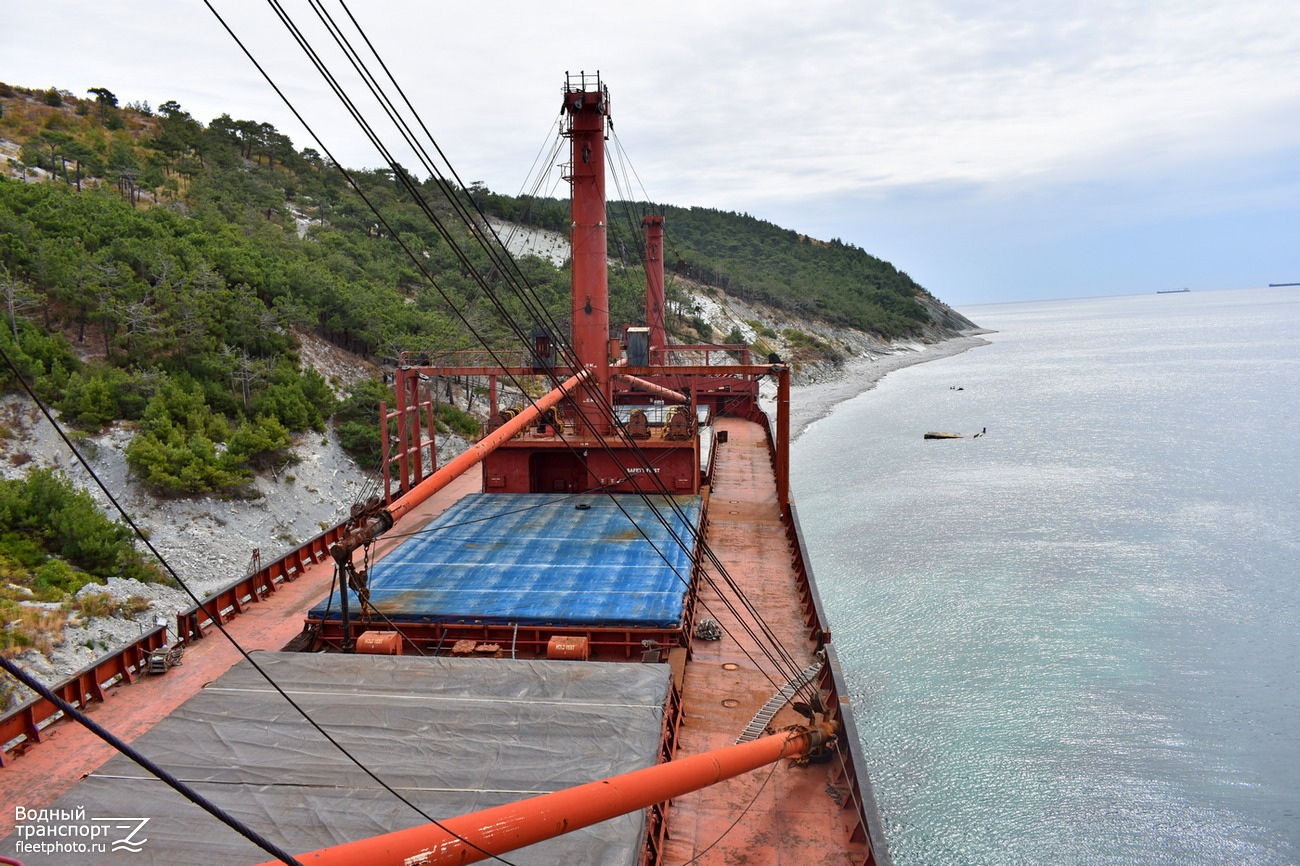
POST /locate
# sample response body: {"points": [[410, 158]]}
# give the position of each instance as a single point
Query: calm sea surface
{"points": [[1074, 640]]}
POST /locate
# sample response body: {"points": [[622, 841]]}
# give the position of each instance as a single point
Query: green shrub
{"points": [[458, 420], [93, 397], [44, 360], [288, 405], [258, 443], [703, 328], [356, 422], [175, 450], [56, 578], [361, 440], [56, 534], [172, 462], [94, 604]]}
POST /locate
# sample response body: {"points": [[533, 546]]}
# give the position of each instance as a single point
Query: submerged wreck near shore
{"points": [[936, 435]]}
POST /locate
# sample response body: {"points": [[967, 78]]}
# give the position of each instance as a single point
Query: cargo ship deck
{"points": [[204, 723], [65, 751], [607, 588], [511, 571]]}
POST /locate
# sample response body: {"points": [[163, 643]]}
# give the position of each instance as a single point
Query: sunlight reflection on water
{"points": [[1073, 640]]}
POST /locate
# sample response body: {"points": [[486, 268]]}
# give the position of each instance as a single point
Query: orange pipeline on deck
{"points": [[477, 836], [660, 391], [342, 551], [476, 452]]}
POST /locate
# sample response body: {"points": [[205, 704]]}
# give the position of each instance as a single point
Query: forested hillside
{"points": [[163, 272], [156, 269], [753, 260]]}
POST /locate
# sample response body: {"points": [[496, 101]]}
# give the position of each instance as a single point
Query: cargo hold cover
{"points": [[539, 559], [452, 735]]}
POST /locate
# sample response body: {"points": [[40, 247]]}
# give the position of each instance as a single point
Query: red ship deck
{"points": [[788, 815]]}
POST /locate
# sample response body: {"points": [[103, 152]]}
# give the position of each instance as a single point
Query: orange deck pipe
{"points": [[652, 388], [474, 454], [479, 835]]}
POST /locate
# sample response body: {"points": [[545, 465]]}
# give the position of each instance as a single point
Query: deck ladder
{"points": [[759, 723]]}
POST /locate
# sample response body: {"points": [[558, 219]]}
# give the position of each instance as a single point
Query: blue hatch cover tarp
{"points": [[538, 558]]}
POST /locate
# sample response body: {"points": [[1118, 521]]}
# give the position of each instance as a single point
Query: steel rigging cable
{"points": [[146, 763], [406, 181], [80, 717], [523, 292]]}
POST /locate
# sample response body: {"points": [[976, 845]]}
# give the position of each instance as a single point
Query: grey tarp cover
{"points": [[453, 735]]}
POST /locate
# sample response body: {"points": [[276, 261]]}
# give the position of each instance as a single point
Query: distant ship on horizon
{"points": [[1171, 291]]}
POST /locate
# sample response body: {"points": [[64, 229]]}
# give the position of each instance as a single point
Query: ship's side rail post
{"points": [[852, 771], [657, 814], [415, 421], [385, 459], [228, 602], [691, 600], [781, 454], [816, 617], [852, 766]]}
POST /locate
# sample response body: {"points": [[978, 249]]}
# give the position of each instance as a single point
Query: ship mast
{"points": [[586, 107]]}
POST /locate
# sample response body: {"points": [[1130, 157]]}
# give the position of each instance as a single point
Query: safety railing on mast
{"points": [[581, 81]]}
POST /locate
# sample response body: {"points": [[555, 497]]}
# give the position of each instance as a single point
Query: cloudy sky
{"points": [[995, 151]]}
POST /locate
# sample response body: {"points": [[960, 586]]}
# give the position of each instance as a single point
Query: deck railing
{"points": [[852, 774], [21, 727], [227, 603]]}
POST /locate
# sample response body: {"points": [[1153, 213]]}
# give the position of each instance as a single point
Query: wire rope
{"points": [[404, 179]]}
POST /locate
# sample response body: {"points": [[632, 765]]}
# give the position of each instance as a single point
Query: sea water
{"points": [[1073, 640]]}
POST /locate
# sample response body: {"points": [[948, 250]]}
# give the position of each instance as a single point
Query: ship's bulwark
{"points": [[451, 735], [537, 559]]}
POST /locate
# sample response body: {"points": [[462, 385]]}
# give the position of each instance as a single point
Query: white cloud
{"points": [[925, 96], [1148, 107], [800, 98]]}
